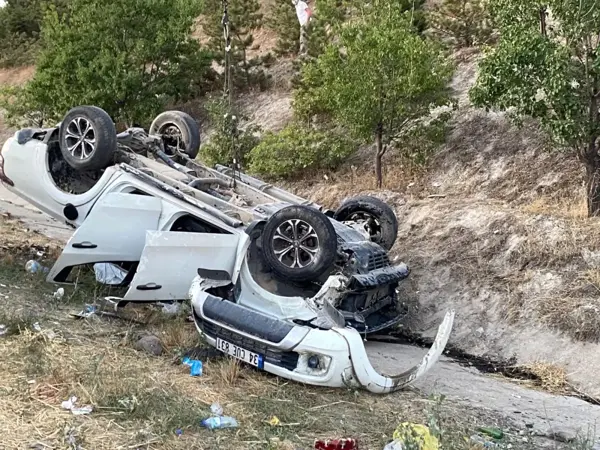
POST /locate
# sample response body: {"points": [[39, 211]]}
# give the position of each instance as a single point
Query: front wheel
{"points": [[376, 216], [299, 243]]}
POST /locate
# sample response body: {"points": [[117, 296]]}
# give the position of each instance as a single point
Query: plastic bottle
{"points": [[476, 439], [34, 267], [214, 423]]}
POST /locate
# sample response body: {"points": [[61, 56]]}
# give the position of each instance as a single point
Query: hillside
{"points": [[504, 240]]}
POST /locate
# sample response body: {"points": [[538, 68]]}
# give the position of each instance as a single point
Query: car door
{"points": [[114, 231], [170, 261]]}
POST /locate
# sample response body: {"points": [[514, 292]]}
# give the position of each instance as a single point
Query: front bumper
{"points": [[287, 348]]}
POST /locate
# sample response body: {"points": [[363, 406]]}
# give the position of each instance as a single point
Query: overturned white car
{"points": [[275, 280]]}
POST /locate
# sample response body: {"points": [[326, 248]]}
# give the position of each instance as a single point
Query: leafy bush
{"points": [[295, 149], [220, 149]]}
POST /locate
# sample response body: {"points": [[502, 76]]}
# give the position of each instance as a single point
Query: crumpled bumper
{"points": [[334, 358]]}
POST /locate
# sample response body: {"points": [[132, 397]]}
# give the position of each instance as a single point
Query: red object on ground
{"points": [[336, 444]]}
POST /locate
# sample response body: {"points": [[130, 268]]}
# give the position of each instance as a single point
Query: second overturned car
{"points": [[275, 280]]}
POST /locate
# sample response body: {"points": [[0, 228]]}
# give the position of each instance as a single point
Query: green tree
{"points": [[282, 20], [547, 66], [129, 58], [244, 18], [380, 78], [20, 23], [466, 22]]}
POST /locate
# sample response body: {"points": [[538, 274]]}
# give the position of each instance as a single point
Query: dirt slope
{"points": [[505, 243]]}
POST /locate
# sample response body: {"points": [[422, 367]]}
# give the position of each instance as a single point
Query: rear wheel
{"points": [[376, 216], [88, 138], [299, 243], [179, 130]]}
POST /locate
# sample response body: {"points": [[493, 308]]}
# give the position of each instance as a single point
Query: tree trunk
{"points": [[379, 155], [592, 182], [303, 41]]}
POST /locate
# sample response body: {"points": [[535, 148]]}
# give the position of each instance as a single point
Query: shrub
{"points": [[220, 150], [295, 149]]}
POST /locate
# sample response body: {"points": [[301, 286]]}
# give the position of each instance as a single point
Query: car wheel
{"points": [[178, 129], [299, 243], [88, 138], [377, 217]]}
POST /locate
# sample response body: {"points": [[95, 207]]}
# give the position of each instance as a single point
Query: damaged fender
{"points": [[374, 382]]}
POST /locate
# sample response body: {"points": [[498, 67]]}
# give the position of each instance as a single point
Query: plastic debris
{"points": [[409, 435], [60, 293], [76, 410], [34, 267], [394, 445], [88, 311], [216, 409], [496, 433], [178, 432], [172, 308], [107, 273], [482, 442], [214, 423], [37, 327], [336, 444], [195, 366], [3, 330], [274, 421]]}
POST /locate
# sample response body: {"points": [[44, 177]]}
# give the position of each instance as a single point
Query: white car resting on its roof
{"points": [[274, 279]]}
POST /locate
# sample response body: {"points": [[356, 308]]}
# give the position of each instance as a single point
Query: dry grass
{"points": [[568, 208], [552, 378], [140, 401]]}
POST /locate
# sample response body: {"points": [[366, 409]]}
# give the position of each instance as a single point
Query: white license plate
{"points": [[240, 353]]}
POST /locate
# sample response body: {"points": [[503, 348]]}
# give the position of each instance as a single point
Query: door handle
{"points": [[85, 244], [149, 287]]}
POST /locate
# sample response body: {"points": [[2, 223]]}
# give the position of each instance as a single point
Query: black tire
{"points": [[314, 249], [381, 220], [177, 126], [87, 138]]}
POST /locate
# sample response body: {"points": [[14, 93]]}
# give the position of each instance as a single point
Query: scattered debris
{"points": [[76, 410], [336, 444], [213, 423], [216, 409], [178, 432], [34, 267], [172, 308], [274, 421], [37, 327], [496, 433], [107, 273], [482, 442], [88, 311], [59, 294], [411, 435], [3, 330], [149, 344], [195, 367]]}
